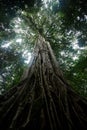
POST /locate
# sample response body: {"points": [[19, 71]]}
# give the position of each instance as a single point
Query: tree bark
{"points": [[43, 100]]}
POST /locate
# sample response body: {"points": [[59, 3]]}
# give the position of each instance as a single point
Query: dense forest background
{"points": [[63, 23]]}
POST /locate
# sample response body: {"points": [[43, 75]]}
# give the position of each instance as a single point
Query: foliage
{"points": [[77, 74], [10, 68], [75, 17]]}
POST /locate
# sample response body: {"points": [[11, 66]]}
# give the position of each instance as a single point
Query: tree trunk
{"points": [[43, 100]]}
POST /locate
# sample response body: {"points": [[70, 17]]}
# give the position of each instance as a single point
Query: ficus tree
{"points": [[43, 99]]}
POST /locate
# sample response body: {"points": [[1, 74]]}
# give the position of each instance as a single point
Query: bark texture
{"points": [[43, 100]]}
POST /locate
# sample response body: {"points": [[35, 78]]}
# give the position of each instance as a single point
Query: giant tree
{"points": [[43, 99]]}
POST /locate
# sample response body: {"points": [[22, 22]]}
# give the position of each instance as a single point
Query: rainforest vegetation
{"points": [[43, 64]]}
